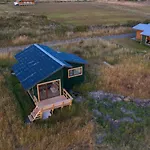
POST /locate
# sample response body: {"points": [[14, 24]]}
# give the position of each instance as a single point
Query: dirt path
{"points": [[75, 40]]}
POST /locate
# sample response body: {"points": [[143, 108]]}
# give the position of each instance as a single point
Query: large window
{"points": [[49, 90], [75, 72]]}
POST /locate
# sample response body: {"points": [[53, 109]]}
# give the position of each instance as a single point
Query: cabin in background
{"points": [[47, 76], [143, 33], [24, 2]]}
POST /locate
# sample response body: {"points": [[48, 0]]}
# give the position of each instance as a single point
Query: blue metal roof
{"points": [[64, 57], [146, 31], [33, 66], [38, 62], [72, 58], [141, 26]]}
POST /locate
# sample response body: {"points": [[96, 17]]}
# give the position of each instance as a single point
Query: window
{"points": [[75, 72], [49, 89]]}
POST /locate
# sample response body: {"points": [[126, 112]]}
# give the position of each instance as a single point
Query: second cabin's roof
{"points": [[140, 26], [146, 32], [37, 62], [143, 27]]}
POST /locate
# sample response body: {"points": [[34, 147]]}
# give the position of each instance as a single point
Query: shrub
{"points": [[82, 28]]}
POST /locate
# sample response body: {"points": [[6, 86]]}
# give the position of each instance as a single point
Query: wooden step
{"points": [[31, 118], [34, 114]]}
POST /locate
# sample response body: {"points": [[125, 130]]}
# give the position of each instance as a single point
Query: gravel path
{"points": [[75, 40]]}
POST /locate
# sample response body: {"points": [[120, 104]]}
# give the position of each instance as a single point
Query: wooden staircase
{"points": [[35, 114]]}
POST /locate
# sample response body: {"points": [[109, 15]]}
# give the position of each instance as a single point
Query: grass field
{"points": [[130, 74], [84, 13], [52, 21], [75, 128], [132, 44]]}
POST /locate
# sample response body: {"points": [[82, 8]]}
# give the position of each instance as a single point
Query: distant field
{"points": [[129, 43], [83, 13]]}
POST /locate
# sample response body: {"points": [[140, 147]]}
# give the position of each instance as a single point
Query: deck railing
{"points": [[35, 99], [37, 112], [67, 95]]}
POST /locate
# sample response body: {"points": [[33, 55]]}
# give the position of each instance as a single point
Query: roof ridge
{"points": [[48, 54]]}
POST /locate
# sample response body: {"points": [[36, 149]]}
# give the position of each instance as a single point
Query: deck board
{"points": [[54, 102]]}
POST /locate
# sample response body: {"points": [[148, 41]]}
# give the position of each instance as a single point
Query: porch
{"points": [[50, 105]]}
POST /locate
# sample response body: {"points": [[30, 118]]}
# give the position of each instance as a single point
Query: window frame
{"points": [[71, 76]]}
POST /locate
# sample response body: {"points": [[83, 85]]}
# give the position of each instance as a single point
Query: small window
{"points": [[75, 72]]}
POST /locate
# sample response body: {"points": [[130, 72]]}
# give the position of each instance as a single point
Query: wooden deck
{"points": [[50, 104], [53, 103]]}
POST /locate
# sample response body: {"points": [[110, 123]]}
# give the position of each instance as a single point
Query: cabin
{"points": [[142, 33], [47, 75], [24, 2]]}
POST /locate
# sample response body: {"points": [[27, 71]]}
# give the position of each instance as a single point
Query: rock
{"points": [[138, 119], [126, 119], [100, 138], [101, 95], [108, 117], [97, 113], [79, 99], [127, 99], [116, 99], [125, 111]]}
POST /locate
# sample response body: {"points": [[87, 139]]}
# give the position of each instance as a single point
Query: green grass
{"points": [[24, 102], [83, 13], [129, 133], [80, 13], [132, 44]]}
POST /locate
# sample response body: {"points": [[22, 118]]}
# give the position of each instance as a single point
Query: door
{"points": [[49, 89]]}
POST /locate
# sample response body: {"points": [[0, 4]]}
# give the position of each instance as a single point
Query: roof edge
{"points": [[58, 61]]}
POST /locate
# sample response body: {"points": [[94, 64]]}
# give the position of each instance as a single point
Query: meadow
{"points": [[76, 128], [127, 74], [82, 13], [52, 21]]}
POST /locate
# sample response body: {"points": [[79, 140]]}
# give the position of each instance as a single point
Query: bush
{"points": [[83, 28]]}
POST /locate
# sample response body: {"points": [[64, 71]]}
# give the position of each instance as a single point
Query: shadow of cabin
{"points": [[47, 76]]}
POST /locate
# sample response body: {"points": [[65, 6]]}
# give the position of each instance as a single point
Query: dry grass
{"points": [[36, 24], [104, 32], [6, 56], [64, 135], [130, 74], [130, 78], [6, 60], [19, 29], [21, 40]]}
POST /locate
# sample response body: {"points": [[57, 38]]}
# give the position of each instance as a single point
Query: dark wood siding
{"points": [[138, 35], [66, 82], [70, 82], [55, 76], [143, 39]]}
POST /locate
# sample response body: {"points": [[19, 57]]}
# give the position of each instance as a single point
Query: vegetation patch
{"points": [[125, 123], [130, 78]]}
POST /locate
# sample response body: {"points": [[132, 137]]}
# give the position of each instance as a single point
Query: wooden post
{"points": [[59, 86], [70, 104], [62, 106], [46, 90], [53, 108], [38, 92]]}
